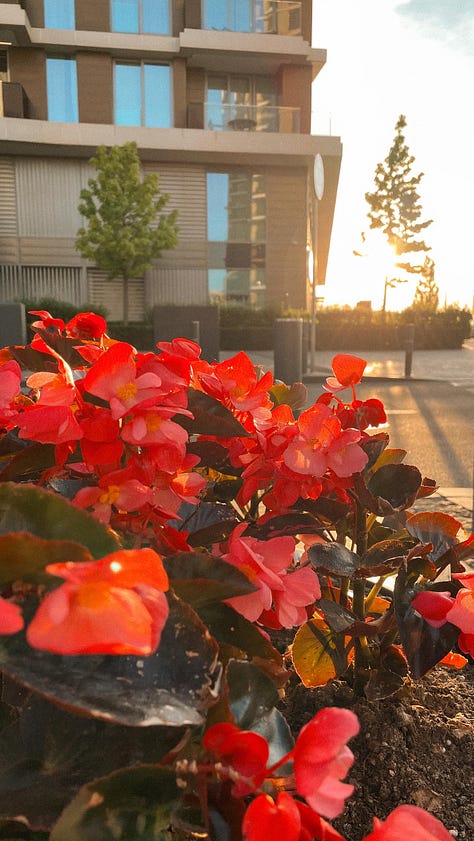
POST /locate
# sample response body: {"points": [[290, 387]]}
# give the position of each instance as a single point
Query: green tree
{"points": [[395, 207], [124, 228], [427, 292]]}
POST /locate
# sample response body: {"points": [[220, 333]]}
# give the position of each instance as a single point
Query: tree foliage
{"points": [[427, 291], [124, 228], [395, 207]]}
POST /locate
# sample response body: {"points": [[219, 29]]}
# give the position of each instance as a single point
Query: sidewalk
{"points": [[454, 366]]}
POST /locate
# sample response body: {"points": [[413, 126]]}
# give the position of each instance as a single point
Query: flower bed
{"points": [[160, 516]]}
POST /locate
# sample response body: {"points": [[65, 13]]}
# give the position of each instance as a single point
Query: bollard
{"points": [[288, 349], [12, 324], [196, 332], [409, 347]]}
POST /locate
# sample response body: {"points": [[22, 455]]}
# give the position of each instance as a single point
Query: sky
{"points": [[386, 58]]}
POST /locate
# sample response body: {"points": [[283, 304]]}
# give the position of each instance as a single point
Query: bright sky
{"points": [[386, 58]]}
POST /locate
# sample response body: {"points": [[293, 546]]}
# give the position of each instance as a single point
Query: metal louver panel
{"points": [[64, 283], [8, 216], [186, 187], [176, 286], [108, 294], [48, 196]]}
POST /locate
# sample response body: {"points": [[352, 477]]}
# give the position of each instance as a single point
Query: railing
{"points": [[277, 17], [223, 117]]}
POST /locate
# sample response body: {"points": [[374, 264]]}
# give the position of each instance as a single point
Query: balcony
{"points": [[222, 117], [275, 17], [12, 100]]}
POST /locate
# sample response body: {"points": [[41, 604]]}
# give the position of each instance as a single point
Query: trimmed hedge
{"points": [[342, 328]]}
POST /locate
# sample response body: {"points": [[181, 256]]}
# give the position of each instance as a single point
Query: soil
{"points": [[416, 747]]}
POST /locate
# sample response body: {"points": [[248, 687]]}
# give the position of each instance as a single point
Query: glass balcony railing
{"points": [[277, 17], [222, 117]]}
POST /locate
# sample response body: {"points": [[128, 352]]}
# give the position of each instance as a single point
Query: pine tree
{"points": [[124, 229], [427, 292], [395, 206]]}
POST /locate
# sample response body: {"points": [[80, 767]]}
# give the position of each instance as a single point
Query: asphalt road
{"points": [[432, 421]]}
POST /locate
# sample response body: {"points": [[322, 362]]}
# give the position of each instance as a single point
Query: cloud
{"points": [[449, 21]]}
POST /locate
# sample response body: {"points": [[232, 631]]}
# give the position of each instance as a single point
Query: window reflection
{"points": [[236, 222], [147, 16], [59, 14], [143, 95], [61, 79], [241, 101]]}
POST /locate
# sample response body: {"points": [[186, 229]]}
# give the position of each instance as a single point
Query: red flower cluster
{"points": [[321, 759]]}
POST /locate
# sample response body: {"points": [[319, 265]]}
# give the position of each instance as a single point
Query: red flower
{"points": [[114, 378], [322, 758], [112, 606], [244, 751], [348, 371], [268, 820], [321, 443], [409, 822], [49, 425], [11, 619], [86, 325]]}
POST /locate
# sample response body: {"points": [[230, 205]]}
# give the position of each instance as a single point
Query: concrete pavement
{"points": [[453, 366]]}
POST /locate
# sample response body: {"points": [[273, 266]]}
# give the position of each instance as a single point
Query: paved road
{"points": [[433, 421]]}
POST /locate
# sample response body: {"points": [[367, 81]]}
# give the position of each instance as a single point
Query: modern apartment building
{"points": [[217, 96]]}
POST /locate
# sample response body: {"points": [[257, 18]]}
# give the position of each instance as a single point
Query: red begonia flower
{"points": [[49, 425], [408, 822], [86, 325], [114, 378], [321, 759], [10, 379], [433, 606], [267, 819], [313, 826], [348, 372], [112, 606], [11, 619], [242, 750]]}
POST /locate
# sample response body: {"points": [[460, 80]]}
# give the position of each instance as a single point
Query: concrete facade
{"points": [[240, 108]]}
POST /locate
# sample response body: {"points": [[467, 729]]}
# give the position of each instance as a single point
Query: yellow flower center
{"points": [[110, 495], [127, 391], [94, 595], [153, 421]]}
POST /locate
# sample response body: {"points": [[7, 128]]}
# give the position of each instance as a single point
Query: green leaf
{"points": [[230, 628], [201, 579], [30, 460], [397, 483], [172, 687], [44, 514], [386, 552], [210, 417], [25, 557], [283, 525], [295, 396], [46, 754], [434, 527], [134, 804], [333, 559], [338, 618]]}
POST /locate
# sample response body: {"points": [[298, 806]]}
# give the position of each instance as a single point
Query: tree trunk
{"points": [[125, 300]]}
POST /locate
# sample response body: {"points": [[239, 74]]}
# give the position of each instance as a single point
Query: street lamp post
{"points": [[318, 192]]}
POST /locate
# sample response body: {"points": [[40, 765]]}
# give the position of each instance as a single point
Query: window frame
{"points": [[142, 66]]}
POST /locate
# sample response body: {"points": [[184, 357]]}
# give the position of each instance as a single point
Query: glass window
{"points": [[61, 78], [236, 226], [147, 16], [59, 14], [143, 95], [234, 15]]}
